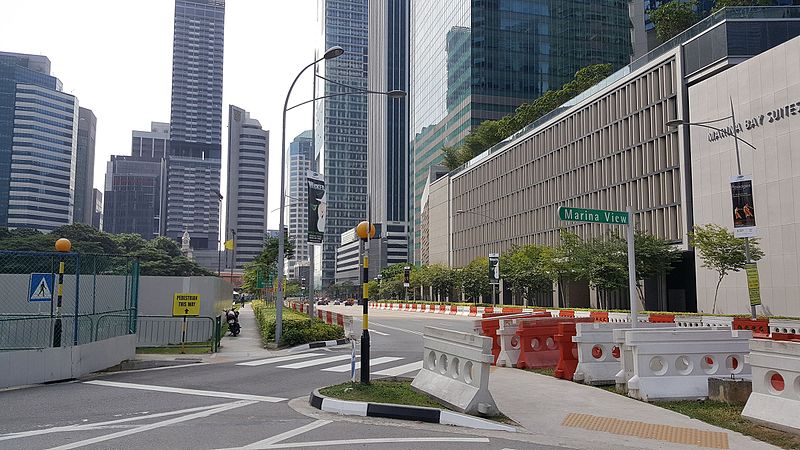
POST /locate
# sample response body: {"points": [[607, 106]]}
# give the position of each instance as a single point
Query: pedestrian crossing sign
{"points": [[41, 287]]}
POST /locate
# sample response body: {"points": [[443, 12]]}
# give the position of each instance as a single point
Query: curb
{"points": [[320, 344], [402, 412]]}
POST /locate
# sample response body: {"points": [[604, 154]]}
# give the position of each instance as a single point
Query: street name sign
{"points": [[186, 305], [593, 215]]}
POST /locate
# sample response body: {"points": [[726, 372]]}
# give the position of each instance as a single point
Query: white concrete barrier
{"points": [[718, 321], [676, 364], [455, 370], [785, 326], [775, 401], [583, 314], [688, 321]]}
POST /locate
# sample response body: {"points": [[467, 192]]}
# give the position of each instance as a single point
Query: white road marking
{"points": [[314, 362], [399, 370], [278, 359], [289, 434], [379, 332], [396, 329], [354, 442], [201, 393], [372, 362], [97, 425], [153, 426]]}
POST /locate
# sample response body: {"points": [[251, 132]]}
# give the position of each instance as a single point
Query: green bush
{"points": [[297, 328]]}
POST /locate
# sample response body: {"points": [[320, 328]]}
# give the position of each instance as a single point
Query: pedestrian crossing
{"points": [[328, 363]]}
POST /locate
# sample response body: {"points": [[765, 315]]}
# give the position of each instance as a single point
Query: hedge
{"points": [[298, 328]]}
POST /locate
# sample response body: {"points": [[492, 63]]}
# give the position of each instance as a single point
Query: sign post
{"points": [[185, 305], [612, 218]]}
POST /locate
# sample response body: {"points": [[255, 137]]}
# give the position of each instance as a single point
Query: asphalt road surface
{"points": [[241, 404]]}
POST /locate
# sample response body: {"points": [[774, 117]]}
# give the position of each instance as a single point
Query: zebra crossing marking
{"points": [[399, 370], [278, 359], [372, 362], [314, 362]]}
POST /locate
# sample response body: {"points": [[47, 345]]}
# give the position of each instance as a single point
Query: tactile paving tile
{"points": [[667, 433]]}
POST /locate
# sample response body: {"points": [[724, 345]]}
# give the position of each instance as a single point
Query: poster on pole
{"points": [[753, 288], [316, 207], [494, 268], [744, 210]]}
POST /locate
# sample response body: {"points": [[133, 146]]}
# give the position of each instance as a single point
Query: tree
{"points": [[527, 270], [670, 19], [265, 262], [474, 279], [722, 252], [733, 3], [654, 257]]}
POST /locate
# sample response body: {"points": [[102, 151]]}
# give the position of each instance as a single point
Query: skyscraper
{"points": [[38, 144], [387, 134], [194, 156], [343, 139], [248, 166], [84, 167], [97, 209], [475, 61], [301, 154]]}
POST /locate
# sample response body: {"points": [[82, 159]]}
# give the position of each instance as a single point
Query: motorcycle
{"points": [[232, 317]]}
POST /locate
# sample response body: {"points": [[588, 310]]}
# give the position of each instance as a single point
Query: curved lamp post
{"points": [[331, 53]]}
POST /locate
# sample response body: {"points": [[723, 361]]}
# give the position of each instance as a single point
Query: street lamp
{"points": [[331, 53], [736, 140]]}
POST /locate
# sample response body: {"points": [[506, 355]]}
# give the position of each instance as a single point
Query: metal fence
{"points": [[99, 298]]}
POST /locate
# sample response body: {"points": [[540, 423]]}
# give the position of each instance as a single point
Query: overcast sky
{"points": [[116, 57]]}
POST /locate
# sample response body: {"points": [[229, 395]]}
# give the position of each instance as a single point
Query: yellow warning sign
{"points": [[186, 305], [753, 287]]}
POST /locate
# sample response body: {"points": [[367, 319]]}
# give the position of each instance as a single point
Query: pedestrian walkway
{"points": [[593, 418], [247, 345]]}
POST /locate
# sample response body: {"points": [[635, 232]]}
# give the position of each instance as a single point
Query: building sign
{"points": [[753, 288], [494, 268], [316, 207], [744, 211], [769, 117], [593, 215]]}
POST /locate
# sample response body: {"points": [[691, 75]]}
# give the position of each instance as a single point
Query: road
{"points": [[259, 403]]}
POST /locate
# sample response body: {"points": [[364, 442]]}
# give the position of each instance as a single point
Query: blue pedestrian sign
{"points": [[41, 289]]}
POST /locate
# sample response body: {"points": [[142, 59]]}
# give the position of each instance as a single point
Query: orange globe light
{"points": [[361, 230], [63, 245]]}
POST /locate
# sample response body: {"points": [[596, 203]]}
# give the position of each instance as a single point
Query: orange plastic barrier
{"points": [[473, 311], [567, 350], [662, 318], [759, 327], [785, 337], [453, 309], [489, 328], [599, 316], [511, 310], [490, 310], [566, 313], [538, 344]]}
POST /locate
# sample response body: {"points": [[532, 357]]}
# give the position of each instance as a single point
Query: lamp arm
{"points": [[334, 95]]}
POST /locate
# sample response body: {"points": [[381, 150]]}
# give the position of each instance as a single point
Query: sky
{"points": [[116, 57]]}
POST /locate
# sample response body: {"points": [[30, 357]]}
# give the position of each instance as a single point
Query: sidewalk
{"points": [[592, 418]]}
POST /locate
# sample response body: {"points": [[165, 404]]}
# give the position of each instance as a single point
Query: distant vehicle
{"points": [[349, 302], [322, 302], [337, 302]]}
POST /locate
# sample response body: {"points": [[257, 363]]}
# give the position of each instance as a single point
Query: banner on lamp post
{"points": [[744, 210], [316, 207], [494, 268]]}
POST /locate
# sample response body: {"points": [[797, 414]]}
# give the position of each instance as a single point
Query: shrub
{"points": [[297, 328]]}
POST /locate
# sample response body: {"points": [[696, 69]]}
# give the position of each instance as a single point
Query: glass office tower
{"points": [[474, 61]]}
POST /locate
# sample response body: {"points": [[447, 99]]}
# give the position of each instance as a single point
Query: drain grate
{"points": [[677, 435]]}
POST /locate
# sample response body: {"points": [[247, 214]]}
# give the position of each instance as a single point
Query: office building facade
{"points": [[301, 154], [84, 167], [132, 195], [474, 61], [246, 203], [193, 162], [611, 147], [97, 209], [388, 130], [343, 134], [38, 145]]}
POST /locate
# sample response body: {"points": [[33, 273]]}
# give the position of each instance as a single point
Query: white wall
{"points": [[156, 294], [761, 84]]}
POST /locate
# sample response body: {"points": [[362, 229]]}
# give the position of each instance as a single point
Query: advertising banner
{"points": [[494, 268], [316, 207], [744, 210]]}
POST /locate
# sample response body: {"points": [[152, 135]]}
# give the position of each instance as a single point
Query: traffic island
{"points": [[394, 399]]}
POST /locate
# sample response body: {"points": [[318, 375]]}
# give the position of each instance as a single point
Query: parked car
{"points": [[337, 302], [349, 302]]}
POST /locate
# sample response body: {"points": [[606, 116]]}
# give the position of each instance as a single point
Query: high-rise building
{"points": [[84, 167], [387, 133], [248, 166], [151, 144], [343, 135], [474, 61], [97, 209], [301, 154], [194, 154], [38, 144], [132, 197]]}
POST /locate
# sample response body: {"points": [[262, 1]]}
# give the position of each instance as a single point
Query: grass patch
{"points": [[730, 417], [191, 349], [548, 371], [381, 391]]}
